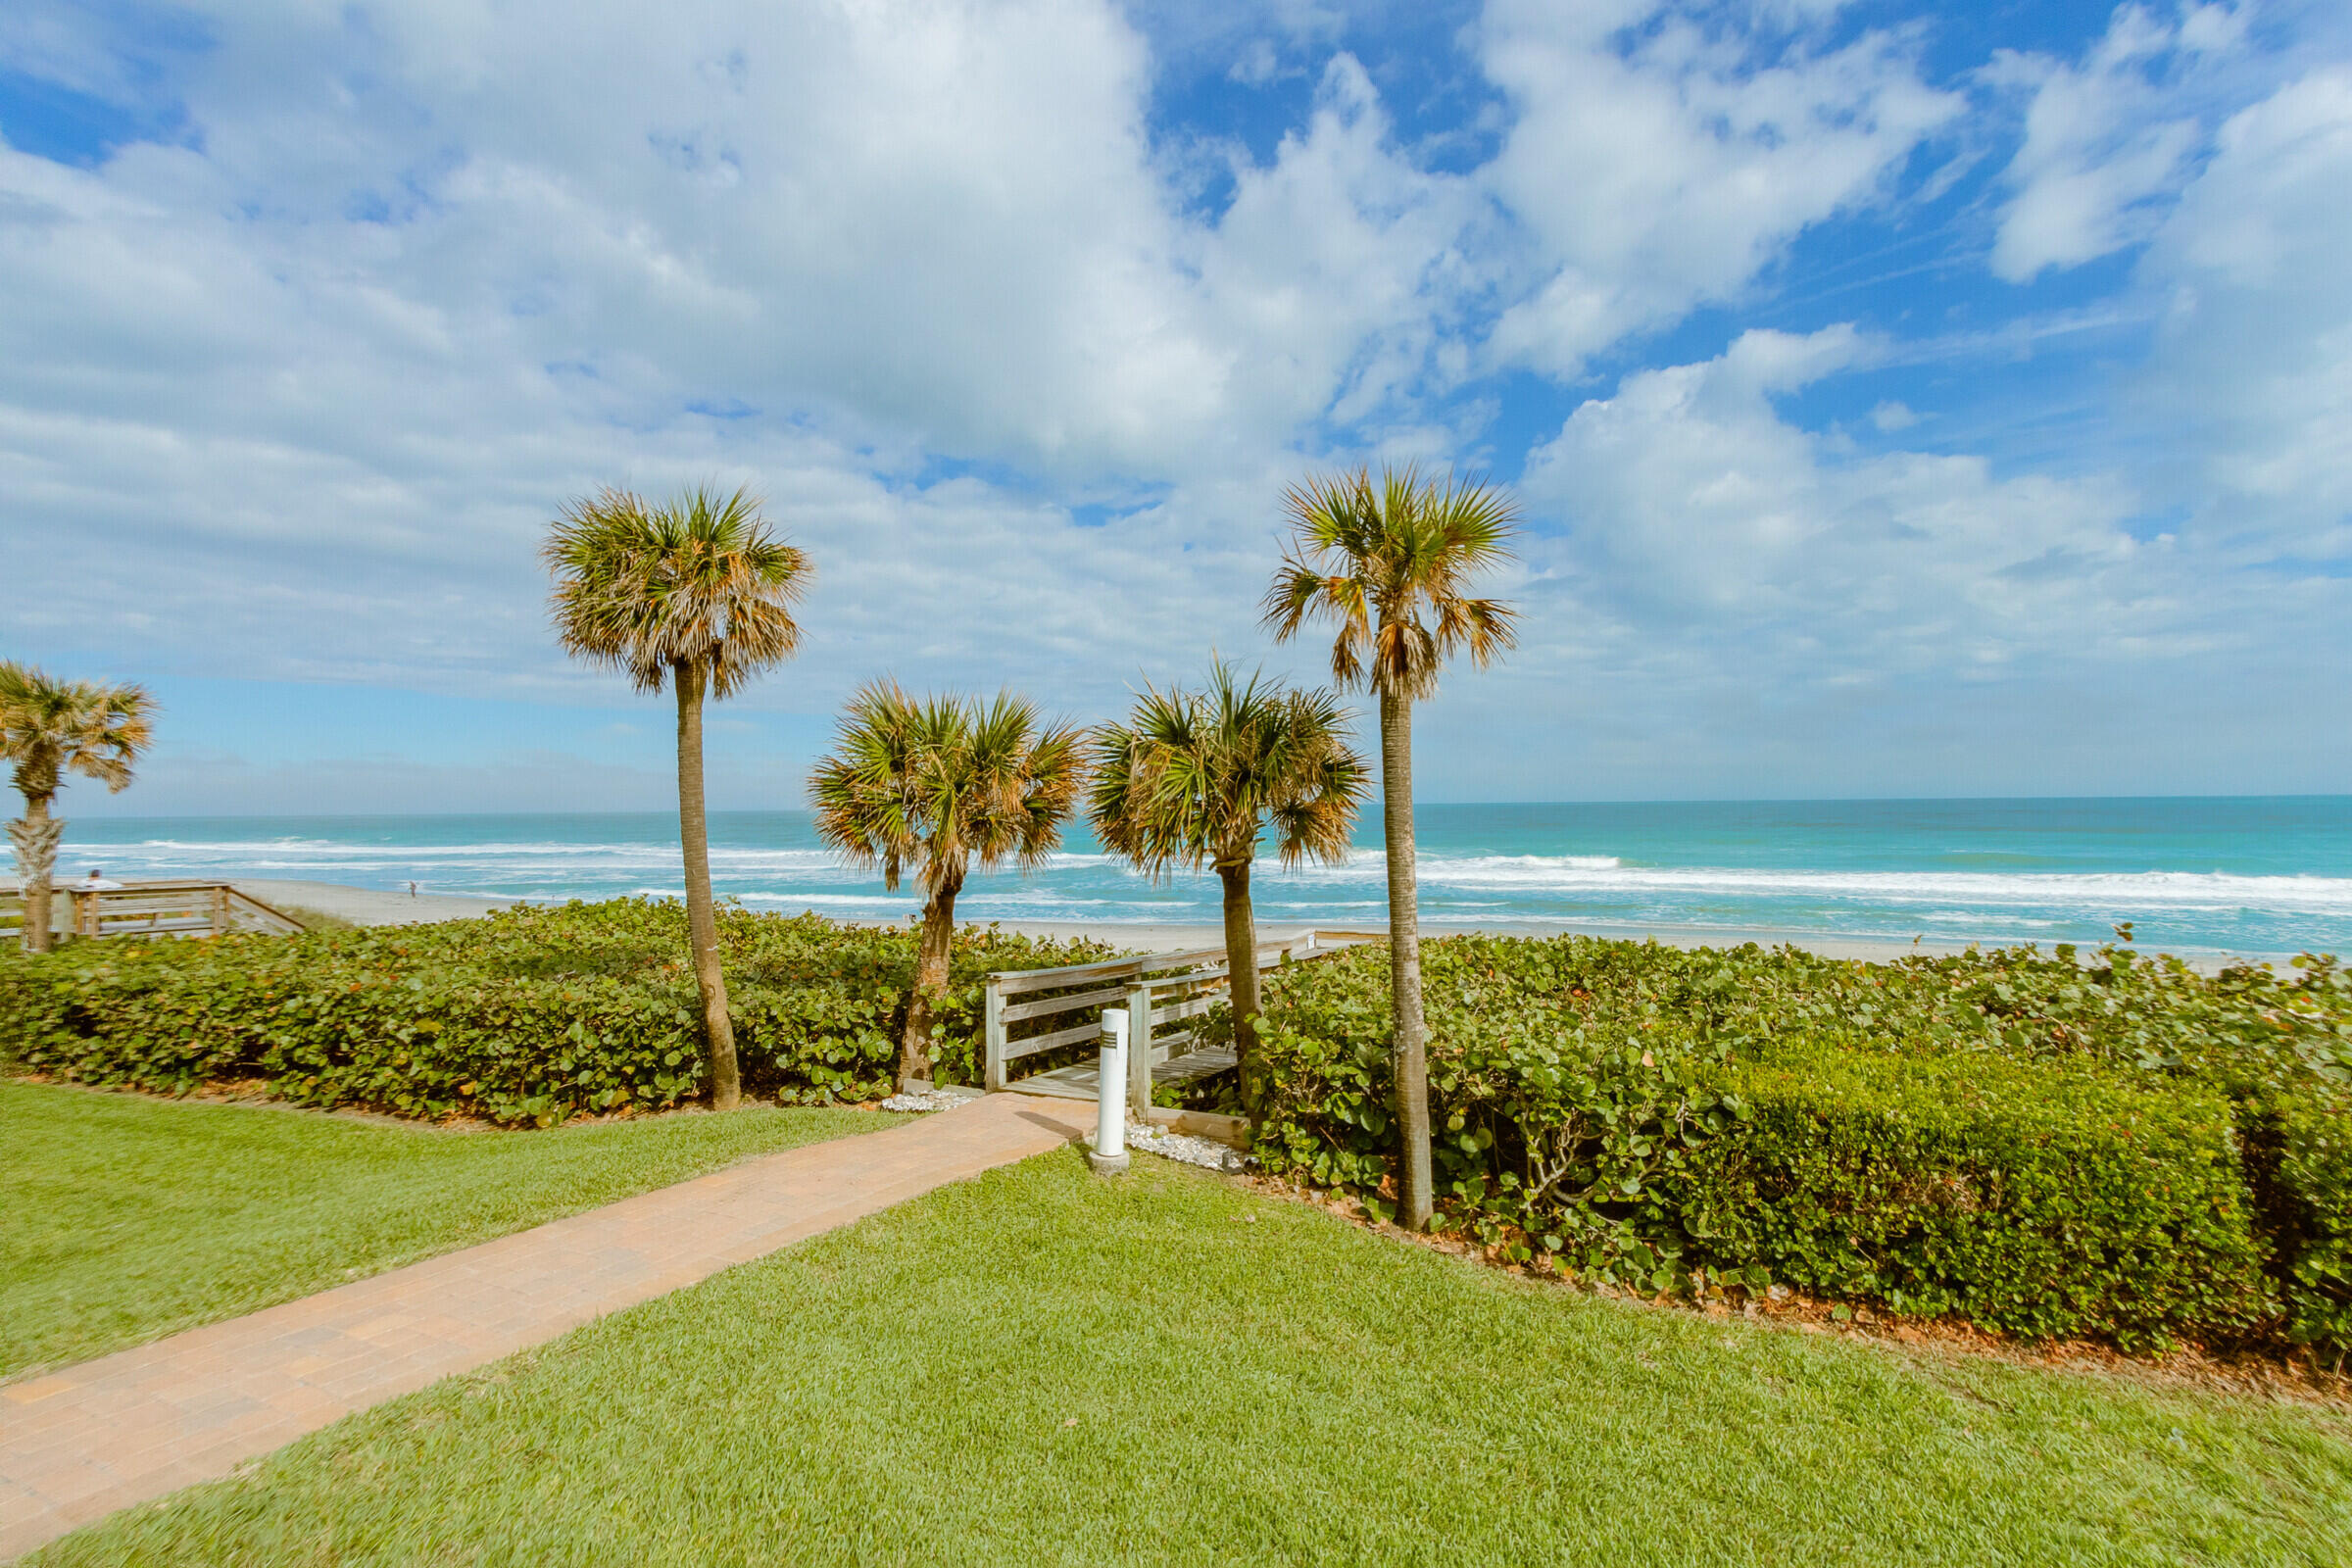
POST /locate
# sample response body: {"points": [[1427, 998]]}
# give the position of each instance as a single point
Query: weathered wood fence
{"points": [[1165, 988], [151, 909]]}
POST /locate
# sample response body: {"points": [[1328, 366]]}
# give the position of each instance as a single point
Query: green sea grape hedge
{"points": [[528, 1016], [2303, 1181], [2036, 1200], [2121, 1148]]}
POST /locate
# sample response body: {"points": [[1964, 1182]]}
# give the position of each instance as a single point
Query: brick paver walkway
{"points": [[79, 1444]]}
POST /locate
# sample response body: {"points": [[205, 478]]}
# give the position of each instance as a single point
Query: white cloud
{"points": [[1257, 64], [178, 782], [1213, 32], [1689, 501], [938, 224], [1338, 266], [1721, 602], [293, 399], [2253, 366], [1666, 170], [2102, 146], [81, 48]]}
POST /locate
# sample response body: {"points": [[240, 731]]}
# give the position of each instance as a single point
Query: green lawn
{"points": [[1042, 1367], [127, 1217]]}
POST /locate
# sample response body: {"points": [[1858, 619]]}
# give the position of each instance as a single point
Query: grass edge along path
{"points": [[1040, 1366], [82, 1441], [131, 1218]]}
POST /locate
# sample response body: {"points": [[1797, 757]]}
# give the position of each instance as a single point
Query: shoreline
{"points": [[1174, 938], [1867, 950], [2260, 878], [369, 905], [379, 907]]}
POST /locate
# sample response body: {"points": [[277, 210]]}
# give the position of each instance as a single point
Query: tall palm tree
{"points": [[1389, 565], [695, 595], [931, 786], [1196, 778], [49, 728]]}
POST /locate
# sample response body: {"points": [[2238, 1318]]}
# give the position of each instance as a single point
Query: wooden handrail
{"points": [[166, 906], [1189, 975], [1014, 981]]}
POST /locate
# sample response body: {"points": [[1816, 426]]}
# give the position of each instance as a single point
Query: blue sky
{"points": [[1904, 400]]}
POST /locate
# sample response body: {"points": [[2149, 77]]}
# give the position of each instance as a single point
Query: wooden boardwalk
{"points": [[1155, 989], [151, 909]]}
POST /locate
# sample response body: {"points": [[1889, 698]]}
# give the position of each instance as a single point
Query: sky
{"points": [[1901, 400]]}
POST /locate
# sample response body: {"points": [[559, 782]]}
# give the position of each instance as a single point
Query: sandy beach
{"points": [[369, 905], [1177, 937], [380, 907], [375, 906]]}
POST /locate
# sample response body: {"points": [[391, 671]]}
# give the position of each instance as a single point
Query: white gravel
{"points": [[1207, 1153], [924, 1100], [1203, 1152]]}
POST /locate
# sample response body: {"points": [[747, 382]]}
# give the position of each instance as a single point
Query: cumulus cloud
{"points": [[288, 391], [2253, 362], [1658, 164], [936, 224], [2103, 141], [328, 362], [1718, 595], [1687, 497], [293, 397]]}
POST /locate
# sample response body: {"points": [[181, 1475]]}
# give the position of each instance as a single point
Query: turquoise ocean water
{"points": [[2247, 875]]}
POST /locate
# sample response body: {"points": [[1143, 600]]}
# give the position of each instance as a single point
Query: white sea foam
{"points": [[2146, 890], [1490, 888], [572, 856], [1605, 877]]}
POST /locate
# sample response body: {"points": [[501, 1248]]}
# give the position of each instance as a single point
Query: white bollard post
{"points": [[1109, 1157]]}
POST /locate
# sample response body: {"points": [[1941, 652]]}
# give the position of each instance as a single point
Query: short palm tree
{"points": [[1389, 566], [49, 728], [1195, 779], [696, 596], [930, 787]]}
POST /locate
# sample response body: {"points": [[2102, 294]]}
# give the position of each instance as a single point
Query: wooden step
{"points": [[1077, 1081]]}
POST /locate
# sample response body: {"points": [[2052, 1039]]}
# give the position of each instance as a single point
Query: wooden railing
{"points": [[153, 909], [1165, 988]]}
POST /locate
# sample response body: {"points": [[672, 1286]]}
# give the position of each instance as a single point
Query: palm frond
{"points": [[1388, 566], [700, 583], [861, 793], [50, 727], [1196, 778], [934, 786]]}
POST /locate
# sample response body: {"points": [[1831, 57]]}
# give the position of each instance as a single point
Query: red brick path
{"points": [[79, 1443]]}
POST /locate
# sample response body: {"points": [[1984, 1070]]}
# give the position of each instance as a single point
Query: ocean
{"points": [[2266, 876]]}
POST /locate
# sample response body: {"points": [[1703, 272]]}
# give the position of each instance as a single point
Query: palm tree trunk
{"points": [[702, 919], [930, 983], [1240, 964], [36, 858], [1409, 1058]]}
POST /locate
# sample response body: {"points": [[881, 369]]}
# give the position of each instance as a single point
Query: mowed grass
{"points": [[127, 1217], [1042, 1368]]}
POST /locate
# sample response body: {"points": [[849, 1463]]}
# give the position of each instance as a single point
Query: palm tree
{"points": [[695, 595], [1389, 565], [1196, 778], [48, 728], [930, 787]]}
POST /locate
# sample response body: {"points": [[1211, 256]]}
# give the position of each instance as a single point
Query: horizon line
{"points": [[1370, 809]]}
